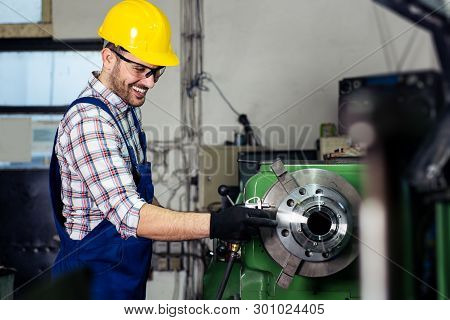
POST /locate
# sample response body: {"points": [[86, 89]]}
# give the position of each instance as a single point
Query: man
{"points": [[102, 194]]}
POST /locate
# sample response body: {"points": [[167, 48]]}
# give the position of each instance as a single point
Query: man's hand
{"points": [[239, 223]]}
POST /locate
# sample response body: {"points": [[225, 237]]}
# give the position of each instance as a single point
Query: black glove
{"points": [[239, 223]]}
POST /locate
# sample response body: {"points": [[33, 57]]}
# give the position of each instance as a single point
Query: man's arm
{"points": [[163, 224], [233, 223]]}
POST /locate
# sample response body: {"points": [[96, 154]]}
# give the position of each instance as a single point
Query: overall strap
{"points": [[142, 137]]}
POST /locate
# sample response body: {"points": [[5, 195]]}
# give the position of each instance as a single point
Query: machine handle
{"points": [[225, 192]]}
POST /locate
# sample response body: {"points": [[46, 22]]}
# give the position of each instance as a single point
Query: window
{"points": [[25, 19], [39, 77], [45, 78], [20, 11]]}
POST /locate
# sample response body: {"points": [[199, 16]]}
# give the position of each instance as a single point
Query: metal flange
{"points": [[317, 219]]}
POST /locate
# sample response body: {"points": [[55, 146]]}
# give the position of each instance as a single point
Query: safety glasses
{"points": [[139, 70]]}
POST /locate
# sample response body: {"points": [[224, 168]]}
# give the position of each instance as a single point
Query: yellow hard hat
{"points": [[142, 29]]}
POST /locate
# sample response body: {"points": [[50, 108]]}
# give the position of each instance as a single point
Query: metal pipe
{"points": [[234, 255]]}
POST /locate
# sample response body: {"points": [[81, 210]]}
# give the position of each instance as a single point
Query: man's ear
{"points": [[108, 58]]}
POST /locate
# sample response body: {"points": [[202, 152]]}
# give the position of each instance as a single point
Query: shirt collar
{"points": [[107, 94]]}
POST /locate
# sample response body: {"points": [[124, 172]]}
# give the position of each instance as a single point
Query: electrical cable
{"points": [[197, 83], [222, 95]]}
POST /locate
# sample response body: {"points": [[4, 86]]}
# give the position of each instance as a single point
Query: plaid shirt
{"points": [[95, 166]]}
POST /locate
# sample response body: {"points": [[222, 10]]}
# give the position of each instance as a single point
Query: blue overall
{"points": [[119, 267]]}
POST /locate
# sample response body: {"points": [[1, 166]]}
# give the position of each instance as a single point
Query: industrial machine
{"points": [[313, 251]]}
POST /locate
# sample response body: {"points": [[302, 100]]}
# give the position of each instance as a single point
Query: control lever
{"points": [[225, 192]]}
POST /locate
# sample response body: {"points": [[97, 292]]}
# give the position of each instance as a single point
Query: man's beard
{"points": [[121, 88]]}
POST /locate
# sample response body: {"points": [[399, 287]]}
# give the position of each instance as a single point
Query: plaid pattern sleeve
{"points": [[101, 183]]}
